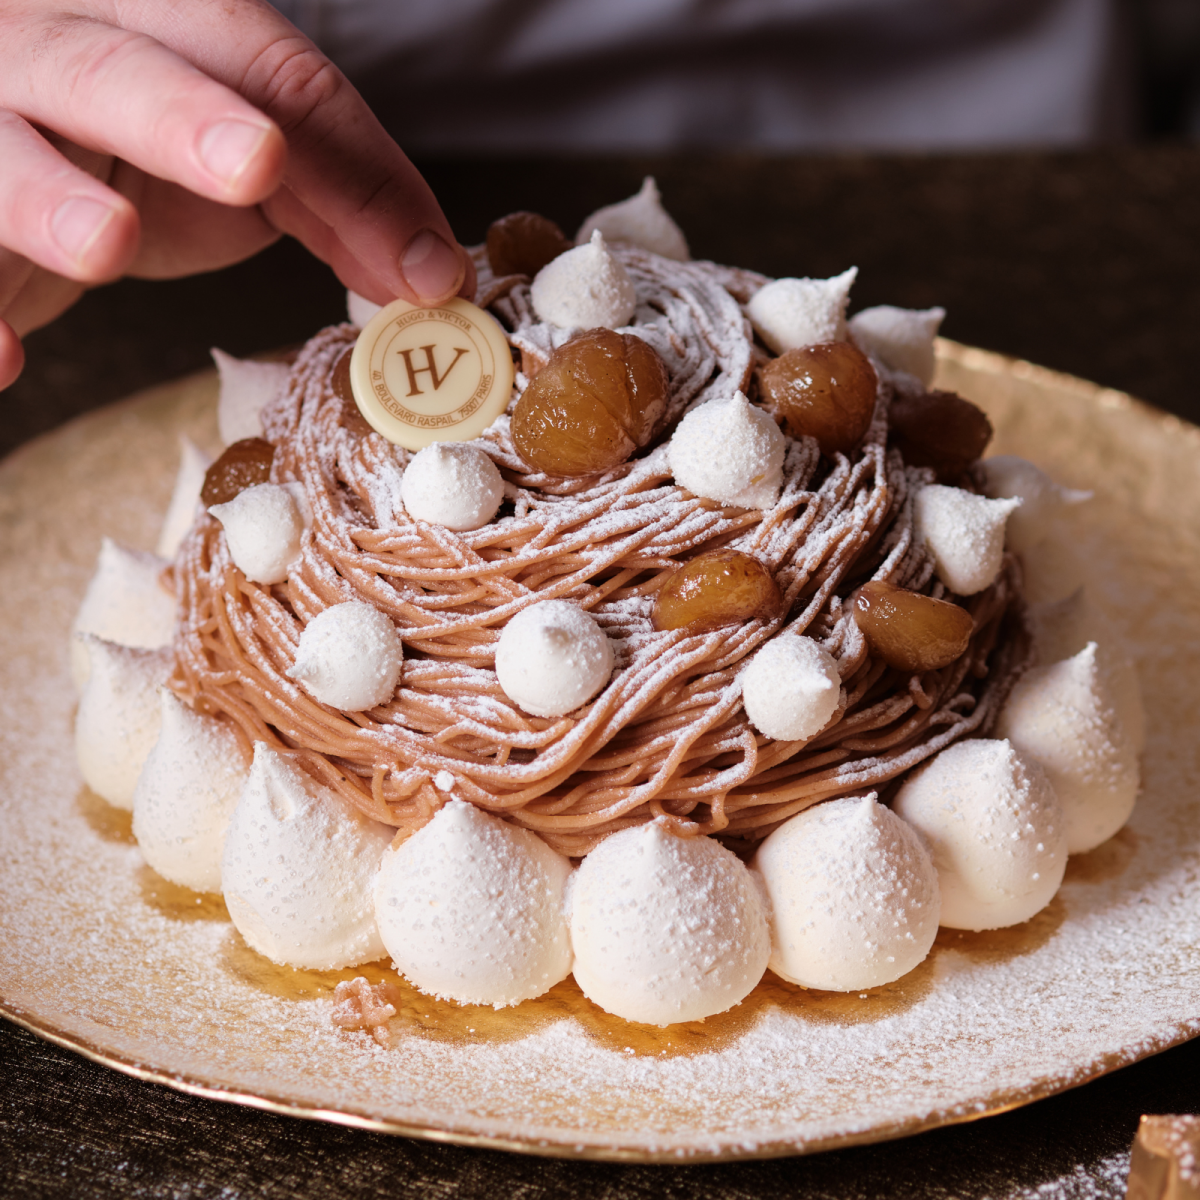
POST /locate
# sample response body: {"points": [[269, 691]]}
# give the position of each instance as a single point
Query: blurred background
{"points": [[577, 76], [1031, 165]]}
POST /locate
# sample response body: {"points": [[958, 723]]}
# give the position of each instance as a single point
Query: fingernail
{"points": [[432, 267], [227, 147], [77, 223]]}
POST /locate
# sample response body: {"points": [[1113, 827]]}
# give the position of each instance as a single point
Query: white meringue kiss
{"points": [[964, 533], [900, 338], [185, 497], [584, 288], [730, 451], [1064, 716], [246, 388], [1042, 500], [854, 896], [349, 657], [360, 310], [995, 828], [471, 908], [263, 527], [124, 603], [789, 313], [298, 868], [1064, 627], [453, 484], [791, 688], [118, 718], [552, 657], [185, 795], [665, 928], [641, 221]]}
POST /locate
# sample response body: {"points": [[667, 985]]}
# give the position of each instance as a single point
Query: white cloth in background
{"points": [[537, 75]]}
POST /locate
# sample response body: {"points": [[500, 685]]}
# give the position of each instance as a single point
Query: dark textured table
{"points": [[1089, 263]]}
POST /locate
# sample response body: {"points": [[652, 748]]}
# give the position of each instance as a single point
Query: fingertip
{"points": [[434, 269], [245, 159], [12, 356], [97, 234]]}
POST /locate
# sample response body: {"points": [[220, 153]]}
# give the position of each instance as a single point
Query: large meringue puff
{"points": [[118, 718], [185, 795], [185, 497], [853, 893], [1042, 499], [298, 867], [1063, 715], [124, 603], [666, 928], [995, 828], [471, 908], [1064, 627]]}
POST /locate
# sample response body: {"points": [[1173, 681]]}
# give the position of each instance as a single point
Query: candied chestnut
{"points": [[718, 587], [909, 631], [826, 391], [523, 243], [597, 400], [243, 465], [939, 430]]}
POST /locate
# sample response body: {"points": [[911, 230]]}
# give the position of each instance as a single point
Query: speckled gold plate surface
{"points": [[99, 954]]}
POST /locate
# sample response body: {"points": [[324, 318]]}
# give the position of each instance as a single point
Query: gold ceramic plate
{"points": [[99, 954]]}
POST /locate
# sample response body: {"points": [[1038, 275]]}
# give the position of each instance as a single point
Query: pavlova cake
{"points": [[647, 620]]}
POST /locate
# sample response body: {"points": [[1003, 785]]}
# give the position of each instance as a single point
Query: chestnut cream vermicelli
{"points": [[667, 736]]}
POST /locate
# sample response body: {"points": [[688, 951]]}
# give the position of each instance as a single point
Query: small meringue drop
{"points": [[730, 451], [186, 793], [263, 528], [789, 313], [854, 896], [791, 688], [666, 928], [246, 387], [1042, 500], [298, 867], [1063, 716], [471, 909], [452, 484], [995, 829], [552, 657], [900, 338], [125, 602], [185, 497], [641, 221], [117, 723], [964, 533], [349, 657], [584, 288], [360, 310]]}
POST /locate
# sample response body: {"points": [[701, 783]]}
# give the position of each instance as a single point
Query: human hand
{"points": [[158, 138]]}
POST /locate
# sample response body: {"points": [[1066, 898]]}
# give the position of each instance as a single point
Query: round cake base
{"points": [[99, 954]]}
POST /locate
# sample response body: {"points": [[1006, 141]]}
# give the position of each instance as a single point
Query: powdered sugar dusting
{"points": [[96, 946]]}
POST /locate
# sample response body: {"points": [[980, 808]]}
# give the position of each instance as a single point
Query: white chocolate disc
{"points": [[425, 375]]}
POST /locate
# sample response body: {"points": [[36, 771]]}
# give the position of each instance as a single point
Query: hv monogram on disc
{"points": [[425, 375]]}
